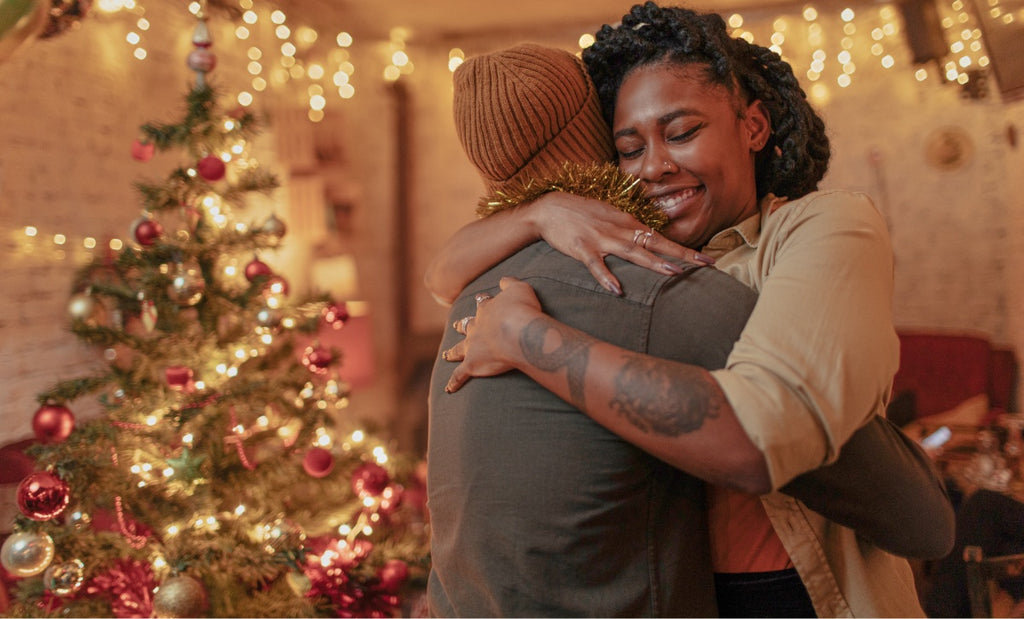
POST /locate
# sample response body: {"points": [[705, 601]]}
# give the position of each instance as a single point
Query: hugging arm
{"points": [[474, 248], [583, 228], [672, 410], [885, 487]]}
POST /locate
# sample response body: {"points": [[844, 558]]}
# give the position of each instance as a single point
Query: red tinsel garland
{"points": [[129, 584]]}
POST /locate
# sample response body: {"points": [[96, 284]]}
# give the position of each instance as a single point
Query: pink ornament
{"points": [[370, 479], [318, 462], [178, 377], [317, 358], [53, 423], [211, 168], [202, 60], [142, 151], [43, 496], [336, 315], [393, 575], [147, 231], [256, 268]]}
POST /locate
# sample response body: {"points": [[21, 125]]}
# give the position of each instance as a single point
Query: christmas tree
{"points": [[223, 477]]}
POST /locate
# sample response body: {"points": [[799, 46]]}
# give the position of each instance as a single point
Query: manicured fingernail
{"points": [[614, 288], [703, 258], [672, 269]]}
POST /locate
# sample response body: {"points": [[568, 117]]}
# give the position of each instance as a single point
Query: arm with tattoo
{"points": [[674, 411]]}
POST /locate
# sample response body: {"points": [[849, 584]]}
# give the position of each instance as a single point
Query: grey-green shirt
{"points": [[536, 510]]}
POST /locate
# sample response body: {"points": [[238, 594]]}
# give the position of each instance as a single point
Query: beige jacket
{"points": [[814, 363]]}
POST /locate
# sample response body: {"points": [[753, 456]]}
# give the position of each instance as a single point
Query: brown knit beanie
{"points": [[522, 112]]}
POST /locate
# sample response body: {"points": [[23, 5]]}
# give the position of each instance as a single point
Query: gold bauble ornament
{"points": [[82, 306], [26, 553], [180, 596], [65, 578]]}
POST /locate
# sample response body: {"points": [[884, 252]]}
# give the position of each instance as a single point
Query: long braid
{"points": [[795, 158]]}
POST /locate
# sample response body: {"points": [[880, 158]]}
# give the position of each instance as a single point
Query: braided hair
{"points": [[797, 153]]}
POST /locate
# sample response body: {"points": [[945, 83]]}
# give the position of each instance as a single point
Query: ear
{"points": [[758, 125]]}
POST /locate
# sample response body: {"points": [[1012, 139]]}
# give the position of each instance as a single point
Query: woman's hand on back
{"points": [[588, 230]]}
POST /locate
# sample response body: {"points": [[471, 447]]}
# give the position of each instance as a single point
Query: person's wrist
{"points": [[532, 215], [513, 324]]}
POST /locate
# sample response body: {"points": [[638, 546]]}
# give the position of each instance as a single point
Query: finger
{"points": [[462, 324], [604, 276], [457, 380], [455, 353], [661, 245], [645, 256], [507, 281]]}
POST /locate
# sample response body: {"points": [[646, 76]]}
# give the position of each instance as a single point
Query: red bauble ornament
{"points": [[147, 231], [276, 286], [336, 315], [211, 168], [178, 377], [370, 479], [256, 268], [393, 575], [142, 151], [317, 358], [53, 423], [390, 499], [42, 495], [318, 462]]}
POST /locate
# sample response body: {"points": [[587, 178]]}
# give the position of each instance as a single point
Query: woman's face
{"points": [[692, 145]]}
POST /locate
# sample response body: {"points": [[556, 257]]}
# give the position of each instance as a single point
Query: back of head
{"points": [[522, 112], [796, 156]]}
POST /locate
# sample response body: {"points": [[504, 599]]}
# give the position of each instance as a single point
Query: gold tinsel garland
{"points": [[601, 181]]}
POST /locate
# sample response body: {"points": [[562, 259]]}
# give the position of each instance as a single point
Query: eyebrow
{"points": [[662, 121]]}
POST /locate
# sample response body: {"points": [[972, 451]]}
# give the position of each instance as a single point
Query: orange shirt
{"points": [[742, 537]]}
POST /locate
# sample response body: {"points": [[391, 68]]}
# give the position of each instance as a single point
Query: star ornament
{"points": [[186, 466]]}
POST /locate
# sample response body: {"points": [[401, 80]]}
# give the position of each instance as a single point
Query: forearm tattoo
{"points": [[572, 353], [656, 399], [666, 401]]}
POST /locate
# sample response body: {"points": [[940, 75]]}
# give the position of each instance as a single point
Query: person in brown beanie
{"points": [[536, 510], [716, 130]]}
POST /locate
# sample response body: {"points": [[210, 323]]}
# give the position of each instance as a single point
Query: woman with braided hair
{"points": [[723, 141]]}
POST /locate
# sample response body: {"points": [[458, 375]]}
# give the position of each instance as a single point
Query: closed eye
{"points": [[686, 135], [633, 154]]}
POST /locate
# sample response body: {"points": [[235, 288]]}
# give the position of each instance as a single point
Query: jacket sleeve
{"points": [[886, 488]]}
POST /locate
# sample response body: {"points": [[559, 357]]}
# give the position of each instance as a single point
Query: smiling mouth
{"points": [[674, 204]]}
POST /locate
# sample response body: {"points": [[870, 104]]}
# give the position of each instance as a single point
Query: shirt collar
{"points": [[747, 232]]}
